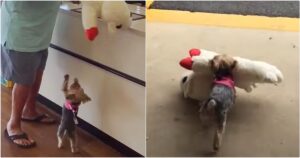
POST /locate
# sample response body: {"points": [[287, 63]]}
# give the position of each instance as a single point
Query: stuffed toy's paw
{"points": [[256, 72], [91, 33]]}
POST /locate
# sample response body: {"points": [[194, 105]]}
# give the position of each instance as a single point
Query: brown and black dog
{"points": [[74, 97], [222, 96]]}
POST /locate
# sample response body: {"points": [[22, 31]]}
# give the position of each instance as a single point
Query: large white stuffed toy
{"points": [[115, 13], [196, 84]]}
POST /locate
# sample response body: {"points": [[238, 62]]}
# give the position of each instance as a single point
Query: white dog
{"points": [[115, 13], [196, 84]]}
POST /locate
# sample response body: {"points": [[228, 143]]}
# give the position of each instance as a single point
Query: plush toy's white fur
{"points": [[246, 74], [197, 86], [113, 12]]}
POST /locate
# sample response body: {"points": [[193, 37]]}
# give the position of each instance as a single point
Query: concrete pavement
{"points": [[264, 122]]}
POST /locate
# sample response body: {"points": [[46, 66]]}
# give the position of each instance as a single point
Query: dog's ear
{"points": [[214, 65], [211, 64], [75, 84], [65, 84], [84, 97], [76, 81], [234, 64]]}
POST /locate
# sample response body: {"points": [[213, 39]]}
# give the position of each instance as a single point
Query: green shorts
{"points": [[22, 67]]}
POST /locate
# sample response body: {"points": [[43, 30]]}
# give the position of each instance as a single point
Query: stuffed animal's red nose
{"points": [[91, 33], [187, 63], [194, 52]]}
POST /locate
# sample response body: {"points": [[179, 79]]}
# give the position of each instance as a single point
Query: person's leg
{"points": [[19, 96], [19, 67], [30, 111]]}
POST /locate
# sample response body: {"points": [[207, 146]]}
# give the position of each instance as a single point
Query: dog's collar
{"points": [[68, 105]]}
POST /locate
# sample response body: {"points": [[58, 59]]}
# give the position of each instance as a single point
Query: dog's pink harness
{"points": [[69, 106], [226, 81]]}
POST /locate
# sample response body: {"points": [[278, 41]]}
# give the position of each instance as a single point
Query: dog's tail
{"points": [[211, 104]]}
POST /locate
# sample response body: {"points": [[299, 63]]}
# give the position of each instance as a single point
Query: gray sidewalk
{"points": [[264, 122]]}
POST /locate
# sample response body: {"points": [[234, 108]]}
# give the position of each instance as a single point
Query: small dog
{"points": [[222, 96], [74, 97]]}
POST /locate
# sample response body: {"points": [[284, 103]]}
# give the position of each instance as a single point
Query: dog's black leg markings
{"points": [[60, 137], [222, 116]]}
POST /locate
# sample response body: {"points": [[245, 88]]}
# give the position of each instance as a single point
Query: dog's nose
{"points": [[119, 26]]}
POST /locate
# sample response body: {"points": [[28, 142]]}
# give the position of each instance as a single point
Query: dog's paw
{"points": [[217, 141], [216, 148], [59, 145], [74, 150], [66, 76]]}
